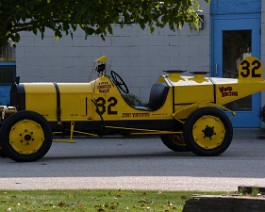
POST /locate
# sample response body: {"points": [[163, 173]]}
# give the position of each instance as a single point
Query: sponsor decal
{"points": [[103, 87], [159, 114], [141, 114], [126, 115], [227, 91], [135, 115]]}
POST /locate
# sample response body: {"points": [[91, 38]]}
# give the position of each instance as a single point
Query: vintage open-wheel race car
{"points": [[187, 112]]}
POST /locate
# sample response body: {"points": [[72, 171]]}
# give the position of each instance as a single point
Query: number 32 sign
{"points": [[250, 68]]}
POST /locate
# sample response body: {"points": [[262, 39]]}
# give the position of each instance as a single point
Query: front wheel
{"points": [[26, 136], [208, 131], [2, 153]]}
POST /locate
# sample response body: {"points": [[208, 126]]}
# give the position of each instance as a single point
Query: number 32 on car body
{"points": [[250, 68]]}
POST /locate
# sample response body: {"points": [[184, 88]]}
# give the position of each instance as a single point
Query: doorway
{"points": [[236, 37]]}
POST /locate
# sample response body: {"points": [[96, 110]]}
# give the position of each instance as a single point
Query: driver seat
{"points": [[157, 98]]}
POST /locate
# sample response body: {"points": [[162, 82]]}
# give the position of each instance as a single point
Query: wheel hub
{"points": [[208, 132], [26, 136]]}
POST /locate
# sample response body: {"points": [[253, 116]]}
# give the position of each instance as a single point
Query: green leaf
{"points": [[94, 17]]}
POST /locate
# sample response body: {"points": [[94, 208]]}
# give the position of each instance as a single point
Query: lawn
{"points": [[92, 200]]}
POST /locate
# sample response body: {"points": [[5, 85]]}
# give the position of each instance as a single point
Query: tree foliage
{"points": [[92, 16]]}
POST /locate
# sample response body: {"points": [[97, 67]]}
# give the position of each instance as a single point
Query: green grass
{"points": [[92, 200]]}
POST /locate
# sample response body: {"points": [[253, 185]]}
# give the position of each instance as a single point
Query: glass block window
{"points": [[7, 54]]}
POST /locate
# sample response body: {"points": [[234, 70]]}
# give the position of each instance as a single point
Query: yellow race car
{"points": [[187, 112]]}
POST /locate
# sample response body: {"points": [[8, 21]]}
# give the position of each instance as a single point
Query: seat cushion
{"points": [[158, 96]]}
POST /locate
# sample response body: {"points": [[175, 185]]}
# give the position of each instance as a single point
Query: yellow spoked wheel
{"points": [[208, 131], [175, 142], [26, 136]]}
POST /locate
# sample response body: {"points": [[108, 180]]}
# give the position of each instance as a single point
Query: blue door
{"points": [[235, 37]]}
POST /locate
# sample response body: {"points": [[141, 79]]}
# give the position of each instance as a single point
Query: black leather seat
{"points": [[157, 98]]}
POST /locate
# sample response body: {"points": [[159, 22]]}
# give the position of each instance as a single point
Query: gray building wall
{"points": [[137, 55]]}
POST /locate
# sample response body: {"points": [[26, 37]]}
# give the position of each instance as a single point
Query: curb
{"points": [[220, 203]]}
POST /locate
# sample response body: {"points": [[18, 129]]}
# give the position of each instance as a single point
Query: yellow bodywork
{"points": [[80, 101], [77, 102], [74, 100]]}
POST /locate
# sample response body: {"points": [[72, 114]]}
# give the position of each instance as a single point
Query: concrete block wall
{"points": [[137, 55]]}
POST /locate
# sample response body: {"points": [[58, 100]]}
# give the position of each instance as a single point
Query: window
{"points": [[7, 64]]}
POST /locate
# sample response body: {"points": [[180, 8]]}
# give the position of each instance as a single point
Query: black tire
{"points": [[175, 142], [2, 153], [208, 131], [26, 136]]}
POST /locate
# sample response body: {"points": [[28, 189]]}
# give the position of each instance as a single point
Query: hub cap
{"points": [[208, 132], [26, 136]]}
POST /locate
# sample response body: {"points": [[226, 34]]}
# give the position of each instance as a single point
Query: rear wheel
{"points": [[26, 136], [208, 131], [175, 142]]}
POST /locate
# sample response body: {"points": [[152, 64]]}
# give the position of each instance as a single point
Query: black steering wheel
{"points": [[119, 82]]}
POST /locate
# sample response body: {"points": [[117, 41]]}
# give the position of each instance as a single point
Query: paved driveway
{"points": [[144, 163]]}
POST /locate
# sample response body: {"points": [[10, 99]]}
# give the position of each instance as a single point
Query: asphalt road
{"points": [[115, 163]]}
